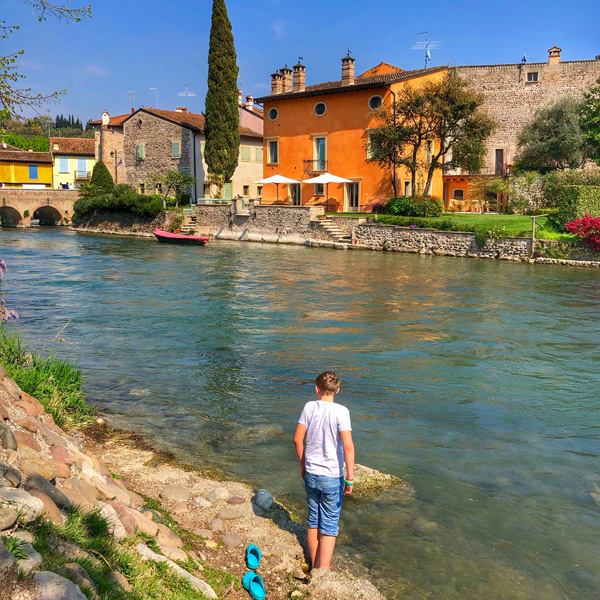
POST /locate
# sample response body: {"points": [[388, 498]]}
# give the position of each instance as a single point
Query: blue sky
{"points": [[134, 45]]}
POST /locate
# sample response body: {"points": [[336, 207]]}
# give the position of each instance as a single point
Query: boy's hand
{"points": [[348, 489], [303, 471]]}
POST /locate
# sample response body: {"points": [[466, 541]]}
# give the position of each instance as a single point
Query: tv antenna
{"points": [[156, 91], [427, 46], [186, 92]]}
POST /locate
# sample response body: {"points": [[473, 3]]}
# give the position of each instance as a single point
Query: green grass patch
{"points": [[54, 382]]}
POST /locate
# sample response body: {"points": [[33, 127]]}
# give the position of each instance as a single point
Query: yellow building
{"points": [[74, 160], [24, 169]]}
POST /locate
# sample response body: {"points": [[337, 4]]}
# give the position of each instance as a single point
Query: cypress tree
{"points": [[101, 178], [222, 126]]}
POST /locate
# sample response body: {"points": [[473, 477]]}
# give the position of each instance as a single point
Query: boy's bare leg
{"points": [[325, 551], [313, 544]]}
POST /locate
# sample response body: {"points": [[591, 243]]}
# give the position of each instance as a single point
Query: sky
{"points": [[134, 45]]}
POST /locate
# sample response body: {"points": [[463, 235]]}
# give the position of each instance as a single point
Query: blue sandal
{"points": [[253, 557], [254, 585]]}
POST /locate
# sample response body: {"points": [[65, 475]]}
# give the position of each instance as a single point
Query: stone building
{"points": [[108, 143], [513, 93]]}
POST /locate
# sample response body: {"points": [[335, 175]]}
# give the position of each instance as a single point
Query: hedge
{"points": [[575, 201], [420, 206], [133, 203]]}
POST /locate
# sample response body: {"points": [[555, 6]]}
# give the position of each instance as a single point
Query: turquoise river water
{"points": [[477, 381]]}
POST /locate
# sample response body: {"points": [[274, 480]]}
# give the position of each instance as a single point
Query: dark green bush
{"points": [[101, 178], [552, 183], [420, 206], [125, 201], [575, 201]]}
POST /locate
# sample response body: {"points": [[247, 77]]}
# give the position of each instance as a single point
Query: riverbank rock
{"points": [[51, 586], [232, 540], [230, 514], [369, 481], [7, 438], [8, 517], [31, 508], [326, 583], [176, 493], [33, 559], [37, 482], [8, 571], [9, 477], [264, 499], [81, 577]]}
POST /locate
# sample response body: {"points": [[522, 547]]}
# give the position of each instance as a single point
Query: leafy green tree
{"points": [[440, 119], [554, 138], [590, 121], [12, 97], [101, 179], [172, 182], [222, 129]]}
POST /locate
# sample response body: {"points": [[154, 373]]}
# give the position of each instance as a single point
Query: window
{"points": [[499, 162], [532, 77], [202, 147], [63, 165], [406, 188], [33, 171], [458, 194], [273, 146], [159, 188], [246, 153], [320, 108], [246, 190], [176, 149], [142, 187], [375, 102], [273, 114], [259, 190], [140, 153], [259, 155], [207, 190], [320, 154], [429, 150], [319, 189]]}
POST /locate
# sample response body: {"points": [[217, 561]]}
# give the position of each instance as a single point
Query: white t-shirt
{"points": [[324, 453]]}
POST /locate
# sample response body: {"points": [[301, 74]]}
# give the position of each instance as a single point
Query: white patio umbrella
{"points": [[327, 178], [277, 179]]}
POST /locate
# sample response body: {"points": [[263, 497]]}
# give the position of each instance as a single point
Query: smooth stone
{"points": [[121, 580], [181, 509], [11, 475], [26, 440], [88, 491], [51, 586], [30, 409], [142, 523], [27, 398], [98, 464], [195, 582], [28, 424], [37, 482], [230, 514], [76, 498], [201, 502], [232, 540], [177, 493], [34, 558], [219, 493], [264, 499], [114, 523], [174, 553], [8, 571], [30, 506], [24, 536], [80, 576], [166, 537], [236, 500], [105, 490], [62, 470], [205, 533], [51, 511], [8, 517], [11, 388], [61, 454], [4, 412], [216, 525], [153, 514], [211, 544], [136, 500], [7, 438], [50, 436], [33, 463]]}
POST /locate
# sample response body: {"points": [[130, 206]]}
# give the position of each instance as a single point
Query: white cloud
{"points": [[93, 71], [279, 28]]}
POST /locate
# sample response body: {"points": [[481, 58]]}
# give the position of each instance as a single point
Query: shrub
{"points": [[588, 229], [101, 178], [552, 183], [124, 201], [420, 206], [25, 214], [378, 208], [176, 223], [576, 201]]}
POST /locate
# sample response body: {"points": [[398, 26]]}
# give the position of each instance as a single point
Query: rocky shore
{"points": [[158, 514]]}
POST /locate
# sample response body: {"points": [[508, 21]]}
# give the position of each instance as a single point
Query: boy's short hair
{"points": [[328, 382]]}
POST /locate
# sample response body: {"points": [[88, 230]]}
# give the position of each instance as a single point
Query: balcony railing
{"points": [[83, 174], [316, 165]]}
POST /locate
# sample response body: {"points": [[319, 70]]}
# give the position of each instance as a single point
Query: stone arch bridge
{"points": [[51, 207]]}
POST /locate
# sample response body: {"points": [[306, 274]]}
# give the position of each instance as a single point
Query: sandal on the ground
{"points": [[253, 557], [254, 585]]}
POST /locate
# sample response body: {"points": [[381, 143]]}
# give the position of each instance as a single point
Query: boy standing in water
{"points": [[328, 433]]}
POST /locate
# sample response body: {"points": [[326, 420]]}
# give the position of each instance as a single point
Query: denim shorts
{"points": [[324, 497]]}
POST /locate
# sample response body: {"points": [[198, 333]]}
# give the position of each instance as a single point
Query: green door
{"points": [[227, 191]]}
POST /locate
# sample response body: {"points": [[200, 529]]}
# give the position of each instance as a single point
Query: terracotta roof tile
{"points": [[113, 121], [73, 146], [25, 156]]}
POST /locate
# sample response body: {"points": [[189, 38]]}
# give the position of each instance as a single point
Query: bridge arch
{"points": [[10, 216], [47, 215]]}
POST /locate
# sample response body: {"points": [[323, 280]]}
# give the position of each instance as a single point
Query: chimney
{"points": [[347, 70], [299, 76], [105, 118], [554, 55], [132, 110], [250, 102], [181, 109], [29, 149], [55, 146], [276, 82], [287, 79], [240, 97]]}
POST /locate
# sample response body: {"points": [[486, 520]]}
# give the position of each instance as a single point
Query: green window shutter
{"points": [[140, 152], [259, 155], [246, 153], [176, 150], [202, 146]]}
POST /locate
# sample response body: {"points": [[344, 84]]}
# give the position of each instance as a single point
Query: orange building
{"points": [[325, 128]]}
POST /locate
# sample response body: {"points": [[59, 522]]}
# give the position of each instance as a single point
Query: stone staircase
{"points": [[337, 234], [189, 224]]}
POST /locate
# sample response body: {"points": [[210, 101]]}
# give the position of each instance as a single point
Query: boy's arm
{"points": [[348, 445], [299, 446]]}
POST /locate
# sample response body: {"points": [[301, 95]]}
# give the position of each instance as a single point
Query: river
{"points": [[477, 381]]}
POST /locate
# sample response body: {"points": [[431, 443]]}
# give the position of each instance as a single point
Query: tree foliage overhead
{"points": [[444, 115], [590, 121], [12, 97], [222, 128], [554, 138]]}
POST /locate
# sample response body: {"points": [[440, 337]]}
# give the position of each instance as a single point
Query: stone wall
{"points": [[109, 139], [512, 100], [124, 224]]}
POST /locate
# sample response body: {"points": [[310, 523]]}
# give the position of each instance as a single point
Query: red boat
{"points": [[179, 238]]}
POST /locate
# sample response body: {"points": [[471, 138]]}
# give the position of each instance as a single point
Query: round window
{"points": [[375, 102], [320, 108], [273, 114]]}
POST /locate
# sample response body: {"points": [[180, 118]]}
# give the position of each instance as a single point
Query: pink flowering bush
{"points": [[588, 229]]}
